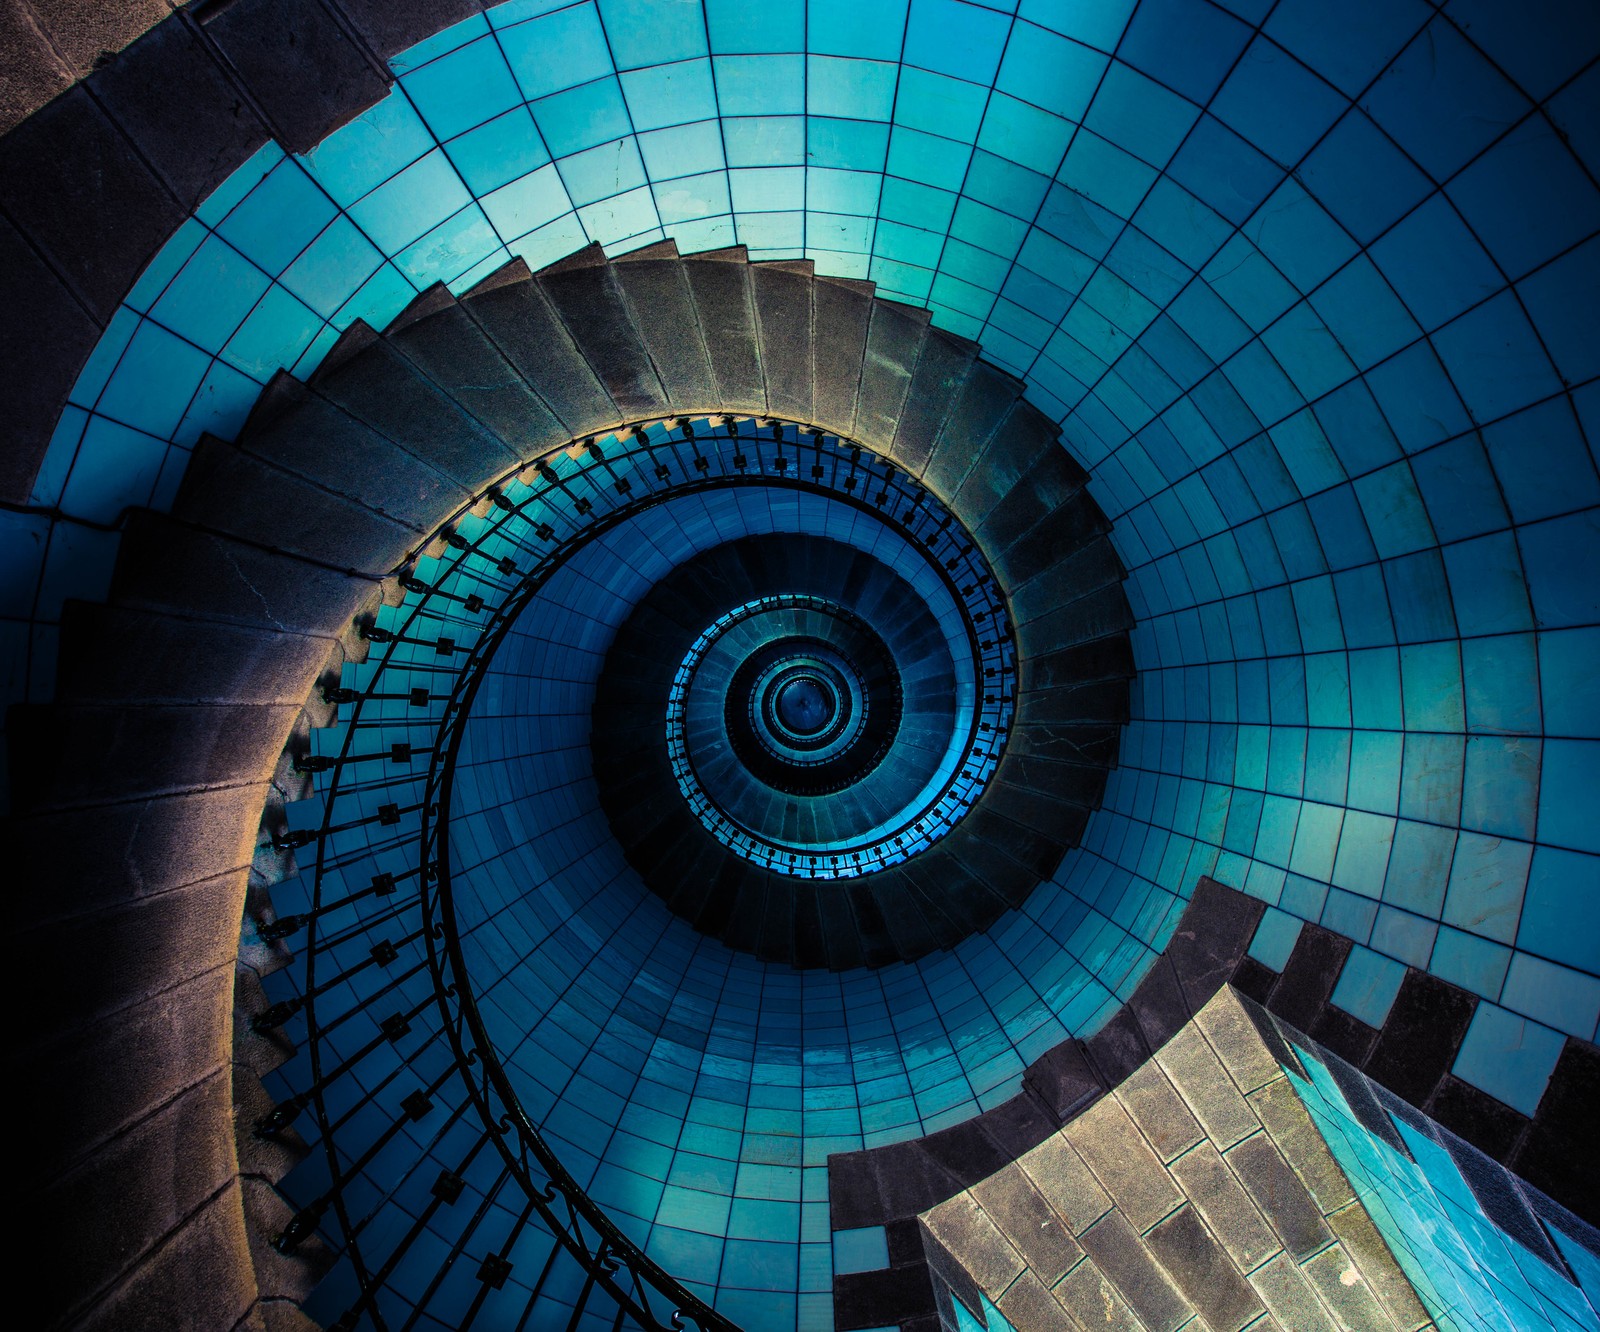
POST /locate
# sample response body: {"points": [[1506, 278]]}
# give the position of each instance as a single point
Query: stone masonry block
{"points": [[1291, 1129], [1342, 1288], [1124, 1163], [1029, 1304], [1202, 1271], [201, 1280], [1219, 1197], [1361, 1240], [1204, 1084], [1094, 1301], [971, 1237], [1065, 1182], [1159, 1112], [1289, 1297], [1280, 1195], [1121, 1255], [1237, 1041], [1008, 1196]]}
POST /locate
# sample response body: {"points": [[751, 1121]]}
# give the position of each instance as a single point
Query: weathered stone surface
{"points": [[46, 334], [1308, 978], [1238, 1042], [1201, 1270], [146, 752], [1425, 1027], [129, 656], [105, 856], [1289, 1297], [1118, 1252], [143, 1184], [1216, 1193], [229, 490], [1066, 1183], [1094, 1301], [1204, 1084], [512, 310], [1280, 1195], [76, 188], [1045, 1243], [200, 1280], [1159, 1112], [1123, 1163], [1338, 1281], [1360, 1239], [196, 141], [308, 76], [841, 312], [1297, 1138], [167, 565], [972, 1238], [1063, 1079], [727, 321], [1028, 1304]]}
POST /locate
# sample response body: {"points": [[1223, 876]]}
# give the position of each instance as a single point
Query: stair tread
{"points": [[662, 308], [530, 335], [234, 492], [589, 302], [722, 298]]}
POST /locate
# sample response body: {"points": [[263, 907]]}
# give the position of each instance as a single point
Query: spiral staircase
{"points": [[575, 656]]}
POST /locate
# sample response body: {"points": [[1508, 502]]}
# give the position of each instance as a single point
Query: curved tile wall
{"points": [[1309, 294], [694, 1090]]}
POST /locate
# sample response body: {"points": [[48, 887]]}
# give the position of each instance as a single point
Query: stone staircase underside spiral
{"points": [[191, 681]]}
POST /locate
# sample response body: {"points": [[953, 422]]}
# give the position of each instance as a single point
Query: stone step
{"points": [[720, 284], [168, 565], [449, 348], [233, 492], [385, 391], [941, 373], [661, 306], [131, 656], [514, 314], [589, 301], [320, 440], [895, 335], [785, 326]]}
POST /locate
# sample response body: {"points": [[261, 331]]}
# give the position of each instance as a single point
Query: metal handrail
{"points": [[442, 636]]}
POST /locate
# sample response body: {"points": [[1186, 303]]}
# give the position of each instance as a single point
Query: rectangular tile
{"points": [[1124, 1163], [1361, 1240], [1216, 1192], [969, 1235], [1280, 1194], [1094, 1301], [1201, 1270], [1233, 1035]]}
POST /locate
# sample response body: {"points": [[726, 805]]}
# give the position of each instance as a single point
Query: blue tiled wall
{"points": [[1310, 289], [695, 1091], [1484, 1252]]}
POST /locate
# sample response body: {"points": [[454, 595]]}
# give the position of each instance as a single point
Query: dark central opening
{"points": [[804, 706]]}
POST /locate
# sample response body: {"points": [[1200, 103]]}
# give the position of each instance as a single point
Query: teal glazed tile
{"points": [[1328, 362], [1508, 1056]]}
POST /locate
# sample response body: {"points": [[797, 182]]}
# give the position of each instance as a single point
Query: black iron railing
{"points": [[433, 1184]]}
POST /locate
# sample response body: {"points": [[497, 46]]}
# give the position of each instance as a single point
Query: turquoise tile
{"points": [[1507, 1056]]}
